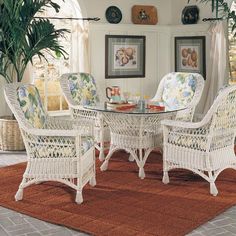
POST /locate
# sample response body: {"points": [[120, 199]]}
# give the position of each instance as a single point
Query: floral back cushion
{"points": [[83, 89], [31, 105], [179, 89]]}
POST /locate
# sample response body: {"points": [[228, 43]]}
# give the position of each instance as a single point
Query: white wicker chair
{"points": [[205, 147], [172, 88], [80, 89], [57, 150]]}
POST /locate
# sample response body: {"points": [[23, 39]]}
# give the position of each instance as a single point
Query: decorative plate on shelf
{"points": [[190, 15], [113, 15], [144, 14]]}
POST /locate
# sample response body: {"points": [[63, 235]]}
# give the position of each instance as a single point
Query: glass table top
{"points": [[130, 108]]}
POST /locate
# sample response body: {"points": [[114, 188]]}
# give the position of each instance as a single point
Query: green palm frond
{"points": [[43, 35], [223, 7], [22, 36]]}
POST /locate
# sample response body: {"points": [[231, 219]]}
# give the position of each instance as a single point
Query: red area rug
{"points": [[123, 204]]}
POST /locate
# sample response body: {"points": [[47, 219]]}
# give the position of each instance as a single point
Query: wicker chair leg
{"points": [[104, 166], [131, 158], [213, 189], [19, 194], [79, 197], [101, 155], [92, 181], [165, 179], [141, 173]]}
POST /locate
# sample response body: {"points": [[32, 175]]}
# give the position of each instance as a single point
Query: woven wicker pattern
{"points": [[206, 147], [180, 90], [87, 96], [56, 152], [10, 136], [137, 134]]}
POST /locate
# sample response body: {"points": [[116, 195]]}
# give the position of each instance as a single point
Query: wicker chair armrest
{"points": [[77, 107], [53, 132], [49, 144], [186, 134], [68, 124], [181, 124], [63, 127]]}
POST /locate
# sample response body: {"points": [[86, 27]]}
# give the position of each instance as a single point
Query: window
{"points": [[232, 48], [47, 73]]}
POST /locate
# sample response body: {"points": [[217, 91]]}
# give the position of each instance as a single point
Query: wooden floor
{"points": [[13, 223]]}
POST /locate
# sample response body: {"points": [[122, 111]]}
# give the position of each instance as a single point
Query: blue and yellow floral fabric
{"points": [[87, 142], [31, 105], [179, 89], [83, 89]]}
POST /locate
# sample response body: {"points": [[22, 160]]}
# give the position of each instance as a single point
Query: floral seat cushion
{"points": [[179, 89], [83, 89], [31, 105]]}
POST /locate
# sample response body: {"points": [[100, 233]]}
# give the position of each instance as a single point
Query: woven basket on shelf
{"points": [[10, 136]]}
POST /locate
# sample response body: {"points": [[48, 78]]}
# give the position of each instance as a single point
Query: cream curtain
{"points": [[79, 55], [217, 74]]}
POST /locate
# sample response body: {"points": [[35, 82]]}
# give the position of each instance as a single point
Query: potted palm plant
{"points": [[23, 36]]}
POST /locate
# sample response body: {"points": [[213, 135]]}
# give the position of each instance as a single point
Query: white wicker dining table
{"points": [[137, 131]]}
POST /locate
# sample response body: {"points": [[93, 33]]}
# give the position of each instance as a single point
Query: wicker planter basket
{"points": [[10, 136]]}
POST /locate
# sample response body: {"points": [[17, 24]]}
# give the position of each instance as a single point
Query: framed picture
{"points": [[124, 56], [190, 54]]}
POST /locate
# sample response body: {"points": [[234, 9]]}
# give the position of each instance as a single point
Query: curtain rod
{"points": [[212, 19], [69, 18]]}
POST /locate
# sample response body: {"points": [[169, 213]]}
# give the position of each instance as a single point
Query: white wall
{"points": [[169, 11], [4, 110], [157, 56], [159, 43], [97, 8]]}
